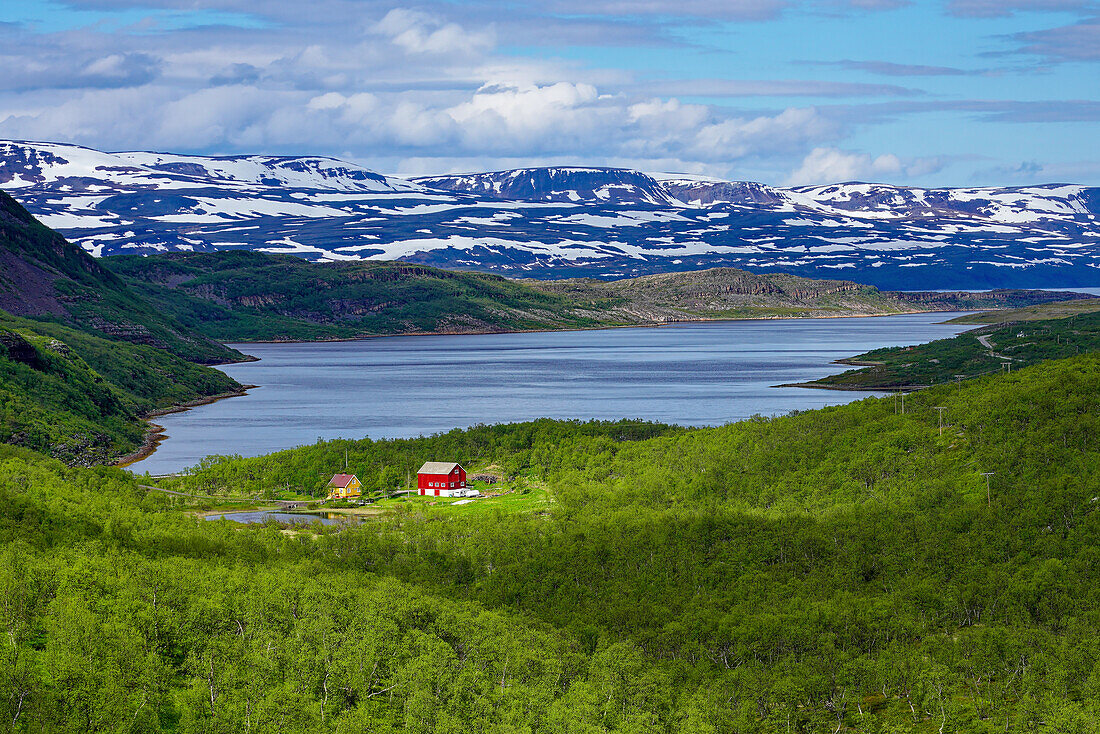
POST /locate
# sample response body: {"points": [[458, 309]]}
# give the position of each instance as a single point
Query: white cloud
{"points": [[830, 165], [558, 121], [421, 33], [406, 87], [790, 130], [507, 117]]}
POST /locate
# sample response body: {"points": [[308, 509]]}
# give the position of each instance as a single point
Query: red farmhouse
{"points": [[440, 478]]}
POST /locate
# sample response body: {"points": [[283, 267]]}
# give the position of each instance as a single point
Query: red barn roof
{"points": [[438, 467], [341, 480]]}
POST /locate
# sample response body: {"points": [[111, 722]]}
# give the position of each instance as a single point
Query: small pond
{"points": [[257, 517]]}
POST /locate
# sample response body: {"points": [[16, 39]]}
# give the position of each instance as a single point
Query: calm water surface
{"points": [[262, 516], [398, 387]]}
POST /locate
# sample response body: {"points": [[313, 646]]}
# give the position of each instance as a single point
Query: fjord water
{"points": [[397, 387]]}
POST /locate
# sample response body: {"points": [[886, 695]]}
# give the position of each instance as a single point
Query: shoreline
{"points": [[155, 434], [854, 362], [181, 407], [855, 388], [646, 325]]}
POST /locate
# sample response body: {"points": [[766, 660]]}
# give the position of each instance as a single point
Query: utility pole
{"points": [[903, 403], [941, 408], [988, 495], [1007, 366], [345, 459]]}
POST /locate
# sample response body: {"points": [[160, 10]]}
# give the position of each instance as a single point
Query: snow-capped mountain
{"points": [[565, 185], [1004, 205], [560, 222], [55, 165], [273, 171], [706, 193]]}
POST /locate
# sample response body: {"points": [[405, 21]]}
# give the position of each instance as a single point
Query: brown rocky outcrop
{"points": [[18, 349]]}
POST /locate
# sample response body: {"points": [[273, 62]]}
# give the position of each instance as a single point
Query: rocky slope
{"points": [[82, 356], [42, 276]]}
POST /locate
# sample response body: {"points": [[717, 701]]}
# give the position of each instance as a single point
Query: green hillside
{"points": [[252, 296], [80, 397], [835, 570], [978, 352]]}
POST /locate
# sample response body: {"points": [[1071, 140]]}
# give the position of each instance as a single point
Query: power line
{"points": [[941, 408], [988, 495]]}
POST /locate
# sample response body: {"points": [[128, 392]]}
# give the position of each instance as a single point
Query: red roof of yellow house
{"points": [[341, 480]]}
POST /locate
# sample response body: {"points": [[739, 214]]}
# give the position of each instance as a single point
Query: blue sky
{"points": [[951, 93]]}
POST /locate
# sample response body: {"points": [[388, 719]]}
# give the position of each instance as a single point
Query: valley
{"points": [[105, 344], [603, 367]]}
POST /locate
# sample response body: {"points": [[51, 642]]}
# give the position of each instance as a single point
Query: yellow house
{"points": [[343, 486]]}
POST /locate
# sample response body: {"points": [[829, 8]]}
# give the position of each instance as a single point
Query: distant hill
{"points": [[1055, 310], [268, 170], [251, 296], [61, 165], [561, 222], [728, 293], [254, 296]]}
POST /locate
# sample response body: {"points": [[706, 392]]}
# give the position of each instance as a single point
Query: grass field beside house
{"points": [[534, 500]]}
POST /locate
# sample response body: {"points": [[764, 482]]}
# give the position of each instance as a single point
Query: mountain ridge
{"points": [[566, 184], [554, 223]]}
